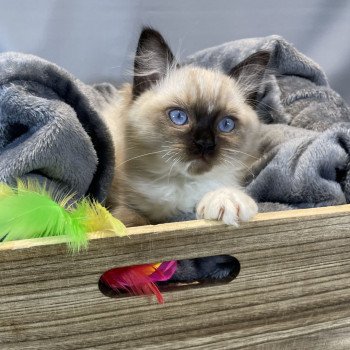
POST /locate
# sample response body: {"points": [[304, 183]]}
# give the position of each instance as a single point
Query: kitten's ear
{"points": [[249, 73], [152, 61]]}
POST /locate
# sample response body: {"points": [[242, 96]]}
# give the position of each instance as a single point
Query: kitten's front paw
{"points": [[227, 204]]}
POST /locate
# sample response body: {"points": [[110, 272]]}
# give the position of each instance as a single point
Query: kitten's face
{"points": [[190, 119], [196, 119]]}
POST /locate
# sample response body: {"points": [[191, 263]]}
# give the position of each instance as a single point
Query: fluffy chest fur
{"points": [[167, 198]]}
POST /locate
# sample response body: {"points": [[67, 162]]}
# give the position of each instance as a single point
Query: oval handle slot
{"points": [[148, 279]]}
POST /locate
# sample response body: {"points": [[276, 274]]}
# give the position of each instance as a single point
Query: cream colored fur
{"points": [[155, 179]]}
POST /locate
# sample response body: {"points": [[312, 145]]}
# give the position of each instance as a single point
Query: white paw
{"points": [[226, 204]]}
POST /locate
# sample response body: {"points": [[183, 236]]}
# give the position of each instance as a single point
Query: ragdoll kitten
{"points": [[185, 137]]}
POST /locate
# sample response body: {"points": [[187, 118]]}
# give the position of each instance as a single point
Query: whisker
{"points": [[173, 155], [236, 151], [158, 178], [171, 168], [226, 161], [164, 155], [142, 155], [241, 163]]}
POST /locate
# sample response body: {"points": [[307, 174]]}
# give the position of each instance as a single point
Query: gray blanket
{"points": [[50, 127]]}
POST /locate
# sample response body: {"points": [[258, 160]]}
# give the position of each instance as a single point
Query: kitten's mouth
{"points": [[204, 156], [199, 165]]}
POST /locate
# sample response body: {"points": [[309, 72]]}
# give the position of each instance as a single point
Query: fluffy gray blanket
{"points": [[50, 127]]}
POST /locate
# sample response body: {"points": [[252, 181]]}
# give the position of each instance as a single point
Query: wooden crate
{"points": [[293, 290]]}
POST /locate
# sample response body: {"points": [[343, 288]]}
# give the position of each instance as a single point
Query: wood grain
{"points": [[293, 291]]}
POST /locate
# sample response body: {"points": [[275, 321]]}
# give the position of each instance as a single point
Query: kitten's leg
{"points": [[129, 217], [227, 204]]}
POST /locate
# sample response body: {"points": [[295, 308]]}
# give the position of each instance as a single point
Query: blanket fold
{"points": [[50, 127], [308, 169]]}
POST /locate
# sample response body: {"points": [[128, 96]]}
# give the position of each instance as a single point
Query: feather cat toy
{"points": [[140, 279], [31, 211]]}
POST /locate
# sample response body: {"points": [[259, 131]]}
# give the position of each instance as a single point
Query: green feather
{"points": [[30, 211], [26, 214]]}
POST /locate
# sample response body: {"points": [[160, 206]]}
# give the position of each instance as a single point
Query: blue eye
{"points": [[178, 117], [226, 124]]}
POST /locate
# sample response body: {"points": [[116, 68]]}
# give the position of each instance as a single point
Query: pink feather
{"points": [[140, 279]]}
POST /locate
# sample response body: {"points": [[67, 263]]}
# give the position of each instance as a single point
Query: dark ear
{"points": [[249, 73], [152, 60]]}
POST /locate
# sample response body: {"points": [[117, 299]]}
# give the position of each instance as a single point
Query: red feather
{"points": [[140, 279]]}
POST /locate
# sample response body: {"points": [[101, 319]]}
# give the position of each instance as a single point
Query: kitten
{"points": [[185, 137]]}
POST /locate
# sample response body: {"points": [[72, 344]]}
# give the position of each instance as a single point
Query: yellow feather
{"points": [[100, 219], [5, 190]]}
